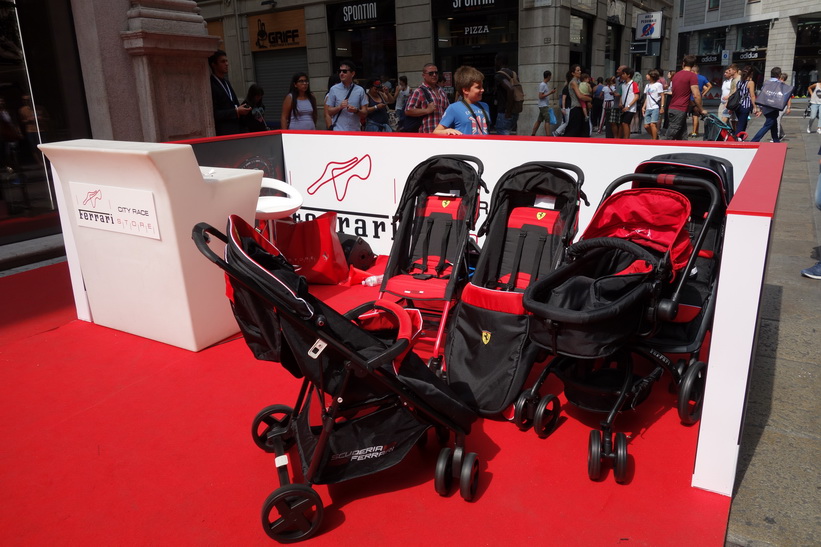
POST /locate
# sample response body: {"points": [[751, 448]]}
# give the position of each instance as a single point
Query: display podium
{"points": [[127, 211]]}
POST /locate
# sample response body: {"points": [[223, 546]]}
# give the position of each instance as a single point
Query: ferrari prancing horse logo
{"points": [[540, 215], [485, 337], [445, 203]]}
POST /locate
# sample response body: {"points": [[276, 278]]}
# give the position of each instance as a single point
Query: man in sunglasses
{"points": [[346, 101], [428, 102]]}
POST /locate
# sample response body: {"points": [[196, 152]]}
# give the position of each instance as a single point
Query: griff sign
{"points": [[280, 30]]}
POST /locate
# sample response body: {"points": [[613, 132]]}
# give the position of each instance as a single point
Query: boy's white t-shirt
{"points": [[653, 92]]}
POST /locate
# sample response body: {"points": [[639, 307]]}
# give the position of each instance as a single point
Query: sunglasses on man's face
{"points": [[343, 70], [432, 73]]}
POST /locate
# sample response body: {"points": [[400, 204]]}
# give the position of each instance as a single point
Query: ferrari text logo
{"points": [[485, 337]]}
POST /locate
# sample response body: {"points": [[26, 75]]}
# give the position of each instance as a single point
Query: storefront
{"points": [[807, 54], [472, 32], [582, 17], [43, 100], [711, 43], [364, 32], [278, 45], [751, 49], [615, 29]]}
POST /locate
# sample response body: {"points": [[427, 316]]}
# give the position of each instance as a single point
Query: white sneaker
{"points": [[818, 130], [808, 130]]}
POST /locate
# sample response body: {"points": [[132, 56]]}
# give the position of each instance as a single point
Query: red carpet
{"points": [[107, 437], [35, 301]]}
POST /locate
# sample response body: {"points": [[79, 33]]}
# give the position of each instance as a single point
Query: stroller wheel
{"points": [[443, 476], [469, 477], [691, 393], [620, 466], [547, 415], [292, 513], [272, 421], [594, 455], [523, 412]]}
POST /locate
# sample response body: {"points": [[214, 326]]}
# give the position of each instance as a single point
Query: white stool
{"points": [[270, 208]]}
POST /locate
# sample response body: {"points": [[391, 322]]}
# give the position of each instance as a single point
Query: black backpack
{"points": [[411, 124]]}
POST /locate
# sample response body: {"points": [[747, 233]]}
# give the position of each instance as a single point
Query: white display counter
{"points": [[127, 210]]}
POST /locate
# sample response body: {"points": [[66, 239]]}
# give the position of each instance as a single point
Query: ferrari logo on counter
{"points": [[485, 337]]}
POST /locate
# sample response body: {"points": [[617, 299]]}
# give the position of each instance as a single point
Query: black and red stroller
{"points": [[533, 217], [428, 261], [622, 281], [686, 337], [375, 397], [717, 130]]}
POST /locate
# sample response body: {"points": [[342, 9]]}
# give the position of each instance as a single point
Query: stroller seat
{"points": [[373, 396], [428, 262], [435, 248], [528, 246]]}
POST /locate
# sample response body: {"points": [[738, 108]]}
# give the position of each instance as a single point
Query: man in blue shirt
{"points": [[346, 101]]}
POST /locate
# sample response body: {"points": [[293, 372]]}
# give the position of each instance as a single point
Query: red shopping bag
{"points": [[313, 247]]}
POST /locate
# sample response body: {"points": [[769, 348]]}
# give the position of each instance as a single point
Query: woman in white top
{"points": [[652, 107], [608, 98], [299, 106]]}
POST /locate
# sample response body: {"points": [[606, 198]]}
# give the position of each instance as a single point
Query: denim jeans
{"points": [[770, 124], [818, 193], [505, 124]]}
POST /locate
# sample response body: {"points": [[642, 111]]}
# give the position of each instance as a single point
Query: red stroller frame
{"points": [[428, 259], [623, 279], [378, 397]]}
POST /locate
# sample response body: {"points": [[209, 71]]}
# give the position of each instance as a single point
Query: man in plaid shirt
{"points": [[419, 104]]}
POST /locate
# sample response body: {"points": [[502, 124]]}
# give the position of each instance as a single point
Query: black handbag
{"points": [[734, 101]]}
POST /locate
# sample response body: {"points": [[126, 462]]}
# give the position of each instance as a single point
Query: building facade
{"points": [[268, 41], [760, 33]]}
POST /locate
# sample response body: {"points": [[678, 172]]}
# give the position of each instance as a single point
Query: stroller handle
{"points": [[200, 234], [666, 179], [480, 167]]}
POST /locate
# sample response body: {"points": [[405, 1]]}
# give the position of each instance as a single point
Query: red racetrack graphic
{"points": [[334, 172]]}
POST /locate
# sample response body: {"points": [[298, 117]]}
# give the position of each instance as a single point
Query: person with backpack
{"points": [[510, 96], [427, 103]]}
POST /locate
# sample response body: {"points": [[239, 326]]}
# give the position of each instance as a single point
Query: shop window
{"points": [[753, 36], [711, 41]]}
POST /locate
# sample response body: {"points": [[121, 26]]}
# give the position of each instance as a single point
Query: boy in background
{"points": [[468, 115]]}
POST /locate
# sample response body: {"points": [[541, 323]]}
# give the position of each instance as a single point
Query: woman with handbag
{"points": [[746, 96], [377, 119], [728, 89]]}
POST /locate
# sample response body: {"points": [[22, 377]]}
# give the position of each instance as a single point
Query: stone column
{"points": [[169, 47]]}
